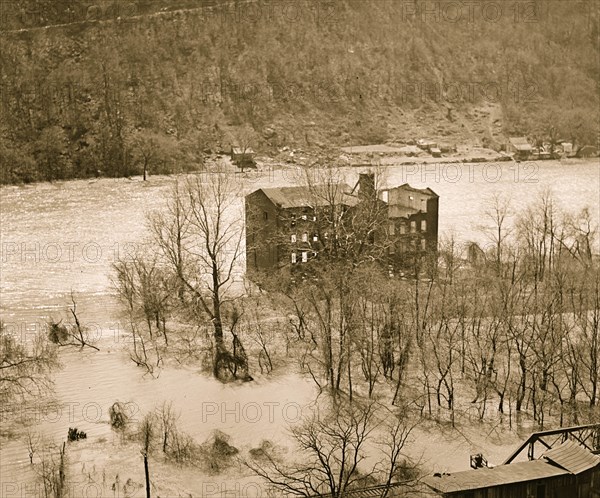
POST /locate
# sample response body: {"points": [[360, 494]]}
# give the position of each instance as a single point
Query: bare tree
{"points": [[33, 444], [147, 291], [499, 214], [151, 149], [199, 236], [70, 335], [333, 453], [167, 419], [51, 470], [25, 367], [147, 431]]}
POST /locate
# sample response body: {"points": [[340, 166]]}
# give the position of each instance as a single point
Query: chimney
{"points": [[366, 185]]}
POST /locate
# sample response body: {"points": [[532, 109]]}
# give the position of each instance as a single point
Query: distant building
{"points": [[519, 147], [242, 157], [413, 221], [587, 151], [426, 144], [567, 148], [284, 225], [292, 226]]}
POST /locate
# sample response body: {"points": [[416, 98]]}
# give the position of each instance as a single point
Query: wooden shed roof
{"points": [[572, 457], [496, 476]]}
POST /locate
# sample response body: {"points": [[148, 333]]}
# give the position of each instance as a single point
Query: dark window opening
{"points": [[266, 215], [541, 491]]}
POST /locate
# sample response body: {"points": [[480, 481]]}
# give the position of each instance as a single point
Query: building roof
{"points": [[424, 191], [496, 476], [572, 457], [239, 150], [520, 143], [316, 195], [394, 490]]}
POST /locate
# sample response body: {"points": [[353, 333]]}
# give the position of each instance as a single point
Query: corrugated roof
{"points": [[572, 457], [316, 195], [520, 143], [497, 476]]}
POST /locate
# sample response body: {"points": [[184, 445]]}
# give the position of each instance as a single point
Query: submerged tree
{"points": [[70, 335], [25, 366], [200, 236], [333, 448]]}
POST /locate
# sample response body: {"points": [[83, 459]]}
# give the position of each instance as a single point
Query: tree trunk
{"points": [[147, 473]]}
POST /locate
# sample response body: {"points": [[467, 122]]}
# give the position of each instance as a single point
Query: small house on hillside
{"points": [[565, 471], [519, 147], [567, 148], [587, 151], [425, 144], [242, 156]]}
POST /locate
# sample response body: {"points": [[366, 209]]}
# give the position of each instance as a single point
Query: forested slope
{"points": [[165, 87]]}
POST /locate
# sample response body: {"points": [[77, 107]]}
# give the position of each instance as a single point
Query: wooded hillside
{"points": [[164, 87]]}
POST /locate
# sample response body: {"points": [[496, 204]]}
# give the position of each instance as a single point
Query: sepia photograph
{"points": [[299, 248]]}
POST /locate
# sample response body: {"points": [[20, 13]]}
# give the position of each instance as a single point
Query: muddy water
{"points": [[63, 237]]}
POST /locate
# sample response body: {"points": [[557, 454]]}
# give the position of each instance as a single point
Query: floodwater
{"points": [[63, 237]]}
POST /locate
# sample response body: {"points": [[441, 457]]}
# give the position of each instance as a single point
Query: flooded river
{"points": [[63, 237]]}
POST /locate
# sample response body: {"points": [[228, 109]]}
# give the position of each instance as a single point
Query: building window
{"points": [[315, 238], [314, 218], [413, 227], [293, 238], [385, 196], [402, 228], [265, 215], [423, 244], [304, 256], [304, 237], [423, 225], [392, 249], [293, 258], [293, 220], [392, 229]]}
